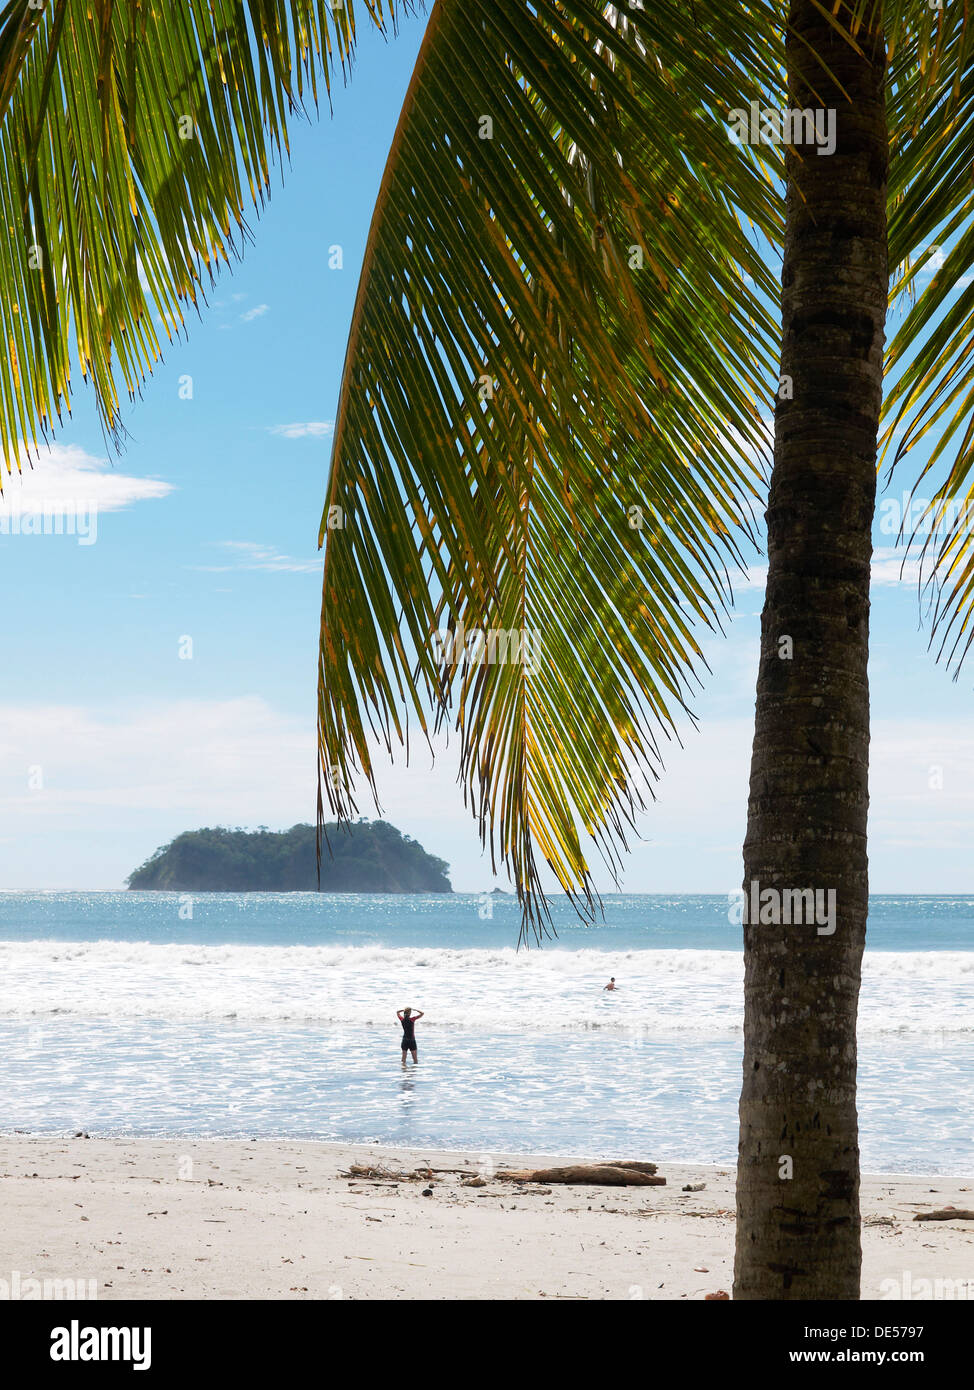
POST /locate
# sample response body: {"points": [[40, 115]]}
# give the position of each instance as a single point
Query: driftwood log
{"points": [[614, 1174], [611, 1173], [946, 1214]]}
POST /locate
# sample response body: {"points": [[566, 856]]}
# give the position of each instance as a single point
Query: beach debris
{"points": [[373, 1172], [700, 1269], [475, 1181], [712, 1297], [616, 1174], [693, 1187], [427, 1192], [428, 1172], [80, 1134], [945, 1214]]}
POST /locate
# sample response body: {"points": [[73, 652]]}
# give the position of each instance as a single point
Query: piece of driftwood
{"points": [[596, 1174], [946, 1214]]}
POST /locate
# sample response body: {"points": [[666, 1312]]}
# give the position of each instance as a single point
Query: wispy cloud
{"points": [[65, 478], [249, 555], [891, 566], [310, 429], [255, 313], [156, 758]]}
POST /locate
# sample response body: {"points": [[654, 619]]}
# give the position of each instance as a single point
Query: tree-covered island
{"points": [[365, 857]]}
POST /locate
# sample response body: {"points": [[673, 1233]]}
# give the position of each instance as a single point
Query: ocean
{"points": [[258, 1015]]}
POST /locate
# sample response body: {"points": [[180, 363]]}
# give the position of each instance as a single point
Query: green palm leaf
{"points": [[561, 330], [930, 361], [132, 138]]}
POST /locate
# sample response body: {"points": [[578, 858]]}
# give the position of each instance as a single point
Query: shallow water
{"points": [[274, 1015]]}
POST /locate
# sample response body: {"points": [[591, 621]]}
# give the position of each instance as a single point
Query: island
{"points": [[364, 857]]}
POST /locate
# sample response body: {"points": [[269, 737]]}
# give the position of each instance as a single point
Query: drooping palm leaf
{"points": [[561, 318], [930, 361], [132, 138]]}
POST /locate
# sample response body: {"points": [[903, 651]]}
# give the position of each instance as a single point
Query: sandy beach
{"points": [[171, 1219]]}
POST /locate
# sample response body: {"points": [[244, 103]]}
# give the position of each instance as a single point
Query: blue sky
{"points": [[111, 742]]}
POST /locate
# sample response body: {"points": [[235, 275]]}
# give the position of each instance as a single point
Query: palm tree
{"points": [[550, 434], [798, 1161]]}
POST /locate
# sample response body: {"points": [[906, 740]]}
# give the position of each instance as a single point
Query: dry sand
{"points": [[231, 1219]]}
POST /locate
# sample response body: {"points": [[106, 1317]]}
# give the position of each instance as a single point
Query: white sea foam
{"points": [[662, 992]]}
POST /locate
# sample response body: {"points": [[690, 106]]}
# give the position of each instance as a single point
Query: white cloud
{"points": [[890, 566], [311, 429], [116, 785], [65, 478], [222, 760], [755, 577], [255, 313], [249, 555]]}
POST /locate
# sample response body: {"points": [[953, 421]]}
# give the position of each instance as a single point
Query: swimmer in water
{"points": [[611, 985], [408, 1020]]}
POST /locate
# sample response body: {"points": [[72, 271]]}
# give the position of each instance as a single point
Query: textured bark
{"points": [[799, 1237]]}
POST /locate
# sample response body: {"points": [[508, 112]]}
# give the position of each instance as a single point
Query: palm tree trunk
{"points": [[798, 1176]]}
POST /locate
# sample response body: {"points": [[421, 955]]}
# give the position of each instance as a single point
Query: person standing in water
{"points": [[611, 985], [408, 1020]]}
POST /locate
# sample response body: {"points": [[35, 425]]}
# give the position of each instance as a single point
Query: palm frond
{"points": [[133, 137], [551, 410], [930, 362]]}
